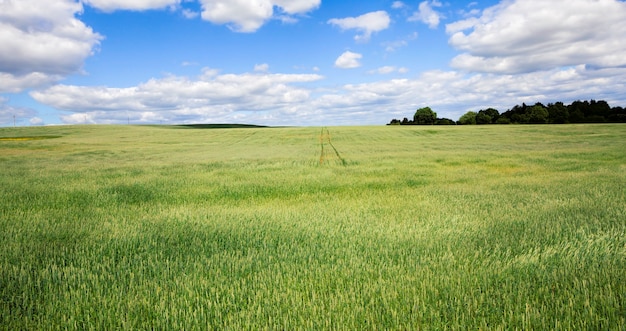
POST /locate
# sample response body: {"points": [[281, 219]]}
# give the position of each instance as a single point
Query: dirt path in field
{"points": [[326, 154]]}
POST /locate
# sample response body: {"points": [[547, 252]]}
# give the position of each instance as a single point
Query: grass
{"points": [[137, 227]]}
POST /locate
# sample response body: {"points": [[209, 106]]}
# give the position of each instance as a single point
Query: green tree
{"points": [[483, 118], [557, 113], [598, 111], [493, 113], [577, 110], [468, 118], [425, 116], [537, 114], [445, 121]]}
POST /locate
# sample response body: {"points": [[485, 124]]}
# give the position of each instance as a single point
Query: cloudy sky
{"points": [[301, 62]]}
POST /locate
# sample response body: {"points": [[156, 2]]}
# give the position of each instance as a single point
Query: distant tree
{"points": [[468, 118], [557, 113], [537, 114], [425, 116], [597, 112], [493, 113], [444, 121], [483, 118], [577, 110], [394, 122], [517, 114], [617, 115]]}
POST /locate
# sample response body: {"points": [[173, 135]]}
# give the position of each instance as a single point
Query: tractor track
{"points": [[324, 152]]}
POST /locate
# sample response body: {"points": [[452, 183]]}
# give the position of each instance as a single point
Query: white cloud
{"points": [[348, 60], [264, 67], [15, 83], [426, 14], [35, 121], [525, 35], [287, 99], [210, 96], [388, 70], [245, 15], [398, 5], [366, 24], [250, 15], [189, 14], [451, 93], [112, 5], [41, 42]]}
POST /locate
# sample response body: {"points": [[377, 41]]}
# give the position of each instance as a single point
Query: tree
{"points": [[483, 118], [537, 114], [517, 114], [445, 121], [617, 115], [468, 118], [598, 111], [557, 113], [425, 116], [577, 110], [493, 114]]}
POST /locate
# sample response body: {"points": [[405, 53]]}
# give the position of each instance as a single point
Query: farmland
{"points": [[418, 227]]}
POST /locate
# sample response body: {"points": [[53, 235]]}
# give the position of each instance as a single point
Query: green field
{"points": [[447, 227]]}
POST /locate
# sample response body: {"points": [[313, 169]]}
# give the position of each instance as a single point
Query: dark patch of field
{"points": [[24, 138], [218, 126]]}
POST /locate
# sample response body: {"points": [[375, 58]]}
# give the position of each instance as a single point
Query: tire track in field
{"points": [[326, 141]]}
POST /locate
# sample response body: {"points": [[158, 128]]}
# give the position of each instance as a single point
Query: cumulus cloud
{"points": [[112, 5], [42, 42], [452, 93], [15, 83], [209, 96], [288, 99], [525, 35], [427, 15], [348, 60], [366, 24], [250, 15]]}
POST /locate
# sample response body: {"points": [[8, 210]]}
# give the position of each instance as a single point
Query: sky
{"points": [[301, 62]]}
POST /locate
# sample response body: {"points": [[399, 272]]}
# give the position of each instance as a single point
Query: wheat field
{"points": [[310, 228]]}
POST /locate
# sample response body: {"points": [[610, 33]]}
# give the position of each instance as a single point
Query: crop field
{"points": [[361, 228]]}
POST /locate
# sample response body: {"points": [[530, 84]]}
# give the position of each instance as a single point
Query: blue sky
{"points": [[301, 62]]}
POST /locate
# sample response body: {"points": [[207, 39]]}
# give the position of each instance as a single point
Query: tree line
{"points": [[554, 113]]}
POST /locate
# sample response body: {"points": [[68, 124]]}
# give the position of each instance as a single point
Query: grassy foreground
{"points": [[138, 227]]}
